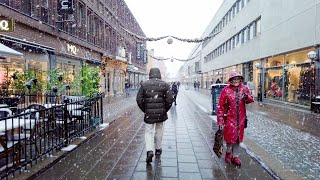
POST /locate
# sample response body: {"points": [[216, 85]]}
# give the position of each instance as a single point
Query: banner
{"points": [[139, 51]]}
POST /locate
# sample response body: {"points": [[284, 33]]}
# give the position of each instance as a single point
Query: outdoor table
{"points": [[70, 107], [13, 123]]}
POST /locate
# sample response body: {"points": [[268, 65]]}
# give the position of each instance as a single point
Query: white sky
{"points": [[181, 18]]}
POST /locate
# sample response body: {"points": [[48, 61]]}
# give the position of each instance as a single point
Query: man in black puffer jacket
{"points": [[154, 99]]}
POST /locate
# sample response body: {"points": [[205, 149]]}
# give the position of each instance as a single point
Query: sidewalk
{"points": [[118, 151], [286, 140]]}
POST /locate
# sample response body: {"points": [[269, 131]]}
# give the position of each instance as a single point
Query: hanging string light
{"points": [[169, 41], [172, 58]]}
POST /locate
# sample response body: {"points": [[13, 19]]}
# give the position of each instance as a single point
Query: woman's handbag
{"points": [[218, 143]]}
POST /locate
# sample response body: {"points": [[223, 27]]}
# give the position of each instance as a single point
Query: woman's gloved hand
{"points": [[244, 97]]}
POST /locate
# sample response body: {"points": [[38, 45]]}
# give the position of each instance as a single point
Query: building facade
{"points": [[154, 63], [267, 42], [67, 34]]}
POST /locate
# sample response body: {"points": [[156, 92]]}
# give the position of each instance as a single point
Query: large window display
{"points": [[274, 82], [290, 78], [298, 83]]}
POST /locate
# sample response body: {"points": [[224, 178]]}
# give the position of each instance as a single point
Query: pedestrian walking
{"points": [[232, 103], [127, 87], [195, 85], [178, 84], [155, 99], [198, 85], [174, 89]]}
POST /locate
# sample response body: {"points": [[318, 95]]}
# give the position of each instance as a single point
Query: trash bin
{"points": [[215, 94]]}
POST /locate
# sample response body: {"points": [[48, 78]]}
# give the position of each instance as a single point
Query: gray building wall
{"points": [[286, 25]]}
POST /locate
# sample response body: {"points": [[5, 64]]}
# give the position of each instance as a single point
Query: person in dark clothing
{"points": [[155, 99], [178, 84], [174, 90], [127, 87]]}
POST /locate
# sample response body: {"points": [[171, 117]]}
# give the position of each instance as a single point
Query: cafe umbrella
{"points": [[8, 52]]}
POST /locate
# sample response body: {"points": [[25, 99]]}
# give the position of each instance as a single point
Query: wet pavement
{"points": [[118, 152], [289, 135]]}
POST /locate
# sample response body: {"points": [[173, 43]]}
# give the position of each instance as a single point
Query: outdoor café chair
{"points": [[8, 151], [30, 130]]}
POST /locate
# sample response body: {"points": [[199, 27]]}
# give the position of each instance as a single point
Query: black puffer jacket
{"points": [[154, 98]]}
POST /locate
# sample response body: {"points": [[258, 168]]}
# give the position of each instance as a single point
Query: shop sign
{"points": [[6, 24], [65, 7], [72, 49]]}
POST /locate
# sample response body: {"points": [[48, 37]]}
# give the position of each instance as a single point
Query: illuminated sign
{"points": [[65, 7], [72, 49], [6, 24]]}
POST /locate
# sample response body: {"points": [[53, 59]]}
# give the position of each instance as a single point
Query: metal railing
{"points": [[38, 126]]}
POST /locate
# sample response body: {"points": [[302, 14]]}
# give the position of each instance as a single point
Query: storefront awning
{"points": [[134, 69], [6, 51]]}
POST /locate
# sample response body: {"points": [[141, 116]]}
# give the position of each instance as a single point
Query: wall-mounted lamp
{"points": [[312, 55]]}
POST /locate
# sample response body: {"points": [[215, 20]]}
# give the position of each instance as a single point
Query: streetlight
{"points": [[259, 67]]}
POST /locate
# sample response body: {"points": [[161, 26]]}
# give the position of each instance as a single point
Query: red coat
{"points": [[232, 112]]}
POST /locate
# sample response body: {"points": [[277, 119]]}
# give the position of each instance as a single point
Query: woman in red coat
{"points": [[231, 115]]}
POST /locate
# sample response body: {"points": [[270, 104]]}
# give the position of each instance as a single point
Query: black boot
{"points": [[149, 157], [158, 151]]}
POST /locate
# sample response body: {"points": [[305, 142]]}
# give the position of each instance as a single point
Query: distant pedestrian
{"points": [[218, 81], [195, 85], [198, 85], [127, 87], [174, 89], [155, 99], [232, 102], [178, 84]]}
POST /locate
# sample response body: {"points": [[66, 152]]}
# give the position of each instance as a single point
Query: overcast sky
{"points": [[181, 18]]}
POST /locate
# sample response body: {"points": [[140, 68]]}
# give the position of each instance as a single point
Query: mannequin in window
{"points": [[292, 87]]}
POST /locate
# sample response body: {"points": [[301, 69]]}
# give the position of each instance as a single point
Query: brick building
{"points": [[91, 32]]}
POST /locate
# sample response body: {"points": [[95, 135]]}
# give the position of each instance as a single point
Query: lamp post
{"points": [[259, 67]]}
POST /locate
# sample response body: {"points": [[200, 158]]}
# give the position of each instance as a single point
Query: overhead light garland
{"points": [[172, 58], [196, 40]]}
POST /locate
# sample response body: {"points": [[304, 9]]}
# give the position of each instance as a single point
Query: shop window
{"points": [[298, 82], [8, 67], [298, 57], [274, 61], [274, 83]]}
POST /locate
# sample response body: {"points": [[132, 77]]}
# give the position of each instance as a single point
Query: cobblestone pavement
{"points": [[285, 139], [118, 151]]}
